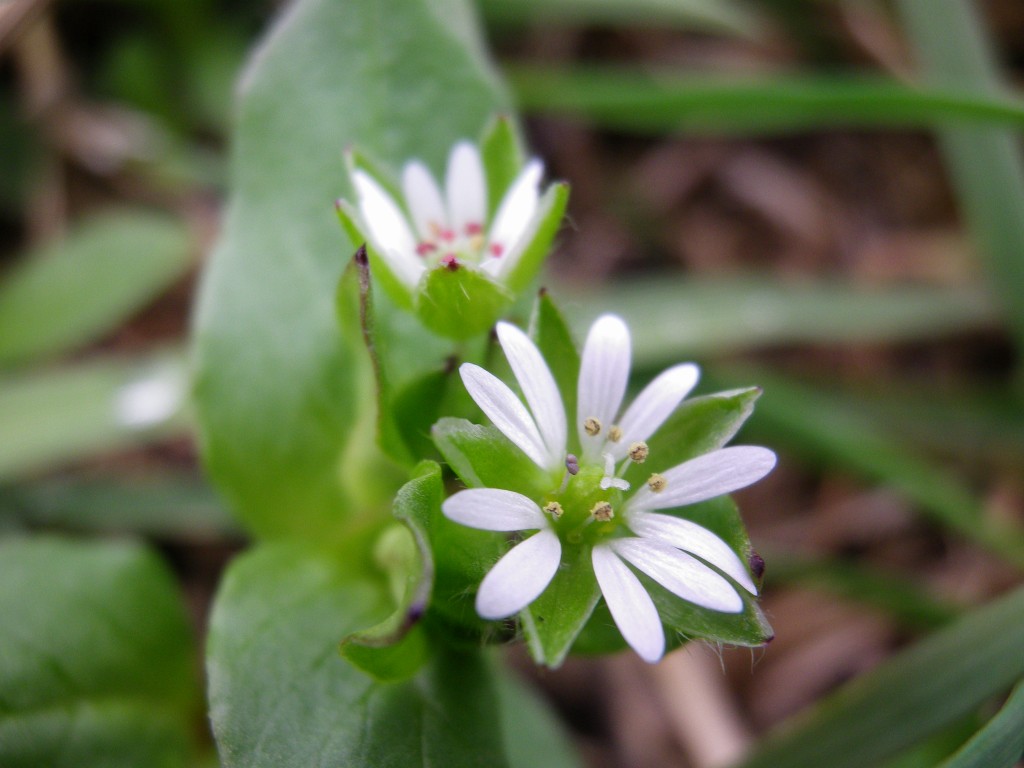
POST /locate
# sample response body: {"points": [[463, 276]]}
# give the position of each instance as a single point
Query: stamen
{"points": [[657, 482], [638, 452], [476, 242], [425, 248], [450, 262], [572, 464], [602, 512], [592, 426], [447, 235], [615, 433], [554, 509], [472, 228], [497, 250]]}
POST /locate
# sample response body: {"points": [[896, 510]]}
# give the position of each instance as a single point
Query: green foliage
{"points": [[85, 285], [278, 386], [281, 695], [910, 696], [97, 666], [52, 416]]}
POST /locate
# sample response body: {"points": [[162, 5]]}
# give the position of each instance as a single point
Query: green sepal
{"points": [[696, 427], [483, 457], [501, 151], [551, 333], [554, 620], [546, 223], [396, 648], [460, 303]]}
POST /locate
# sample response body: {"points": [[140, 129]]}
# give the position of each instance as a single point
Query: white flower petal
{"points": [[513, 217], [695, 539], [679, 573], [424, 200], [520, 576], [539, 389], [630, 605], [505, 410], [491, 509], [705, 477], [604, 371], [388, 229], [653, 405], [466, 188]]}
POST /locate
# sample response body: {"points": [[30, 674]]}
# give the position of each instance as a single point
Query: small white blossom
{"points": [[450, 229], [664, 547]]}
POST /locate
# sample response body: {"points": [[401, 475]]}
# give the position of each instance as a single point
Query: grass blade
{"points": [[909, 697], [985, 162], [1000, 744], [656, 103]]}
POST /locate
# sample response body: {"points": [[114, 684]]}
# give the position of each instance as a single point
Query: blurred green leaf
{"points": [[907, 698], [673, 317], [723, 16], [822, 429], [62, 414], [282, 696], [1000, 744], [985, 163], [83, 286], [533, 734], [659, 103], [279, 390], [165, 505], [97, 665]]}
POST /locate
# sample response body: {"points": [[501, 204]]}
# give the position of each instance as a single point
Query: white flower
{"points": [[450, 229], [623, 531]]}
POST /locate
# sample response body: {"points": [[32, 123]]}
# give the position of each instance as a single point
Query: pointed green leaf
{"points": [[501, 151], [277, 385], [483, 457], [1000, 744], [97, 665]]}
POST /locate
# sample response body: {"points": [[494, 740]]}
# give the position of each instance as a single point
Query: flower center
{"points": [[452, 249]]}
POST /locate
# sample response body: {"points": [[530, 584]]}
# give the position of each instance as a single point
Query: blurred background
{"points": [[821, 197]]}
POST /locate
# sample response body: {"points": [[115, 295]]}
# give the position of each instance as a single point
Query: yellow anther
{"points": [[602, 512], [638, 452], [554, 509], [592, 426], [615, 433], [657, 482]]}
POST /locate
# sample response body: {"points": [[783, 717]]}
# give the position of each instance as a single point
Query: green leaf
{"points": [[651, 103], [169, 505], [97, 667], [277, 385], [907, 698], [281, 696], [1000, 744], [501, 151], [59, 415], [554, 340], [397, 647], [483, 457], [985, 162], [673, 317], [83, 286]]}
